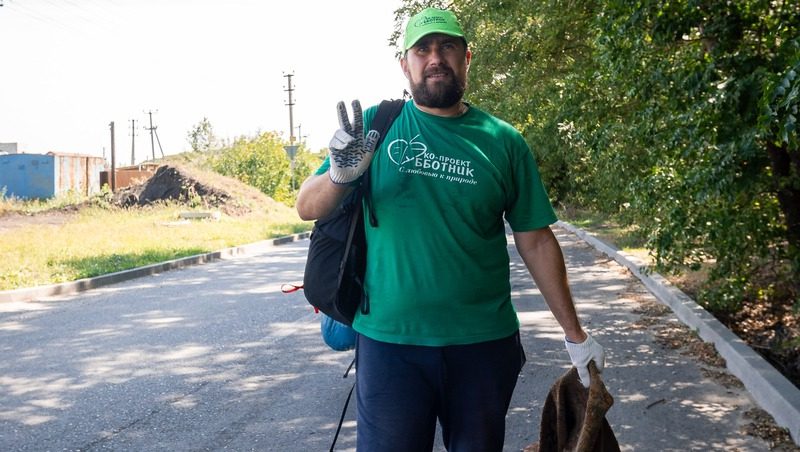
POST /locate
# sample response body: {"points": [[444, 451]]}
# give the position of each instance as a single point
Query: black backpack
{"points": [[337, 255]]}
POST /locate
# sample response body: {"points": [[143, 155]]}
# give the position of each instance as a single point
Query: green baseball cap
{"points": [[431, 20]]}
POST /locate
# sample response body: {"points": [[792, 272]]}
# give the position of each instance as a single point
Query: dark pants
{"points": [[402, 389]]}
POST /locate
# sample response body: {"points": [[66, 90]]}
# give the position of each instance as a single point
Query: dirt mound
{"points": [[194, 187], [168, 183]]}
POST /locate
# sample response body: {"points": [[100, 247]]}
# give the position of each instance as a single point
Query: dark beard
{"points": [[443, 94]]}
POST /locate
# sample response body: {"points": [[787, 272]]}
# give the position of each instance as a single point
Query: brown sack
{"points": [[573, 418]]}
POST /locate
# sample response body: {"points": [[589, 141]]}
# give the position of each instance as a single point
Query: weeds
{"points": [[103, 239], [13, 204]]}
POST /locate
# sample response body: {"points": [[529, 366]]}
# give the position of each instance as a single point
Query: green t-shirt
{"points": [[437, 263]]}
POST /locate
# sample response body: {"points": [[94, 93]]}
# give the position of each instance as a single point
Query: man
{"points": [[441, 337]]}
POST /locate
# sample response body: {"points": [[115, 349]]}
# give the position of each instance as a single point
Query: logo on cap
{"points": [[427, 20]]}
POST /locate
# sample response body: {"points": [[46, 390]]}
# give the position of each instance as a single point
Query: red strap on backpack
{"points": [[289, 288]]}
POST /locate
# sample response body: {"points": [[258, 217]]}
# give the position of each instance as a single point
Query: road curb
{"points": [[771, 390], [80, 285]]}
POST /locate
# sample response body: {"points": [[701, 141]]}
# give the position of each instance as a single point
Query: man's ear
{"points": [[469, 58], [404, 67]]}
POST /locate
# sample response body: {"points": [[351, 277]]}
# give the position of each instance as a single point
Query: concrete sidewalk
{"points": [[671, 390], [771, 391]]}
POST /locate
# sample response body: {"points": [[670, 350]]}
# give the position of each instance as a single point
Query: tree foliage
{"points": [[261, 161], [201, 136], [679, 116]]}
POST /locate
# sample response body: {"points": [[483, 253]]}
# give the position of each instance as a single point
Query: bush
{"points": [[261, 162]]}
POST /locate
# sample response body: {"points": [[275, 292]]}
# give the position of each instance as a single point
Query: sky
{"points": [[70, 67]]}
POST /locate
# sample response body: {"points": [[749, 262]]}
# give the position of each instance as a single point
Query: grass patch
{"points": [[607, 229], [99, 240], [12, 204]]}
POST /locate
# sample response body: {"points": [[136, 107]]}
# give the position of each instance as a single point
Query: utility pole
{"points": [[133, 142], [300, 133], [300, 137], [290, 104], [113, 175], [152, 129], [291, 149]]}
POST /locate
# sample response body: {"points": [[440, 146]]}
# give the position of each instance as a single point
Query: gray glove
{"points": [[351, 151], [581, 354]]}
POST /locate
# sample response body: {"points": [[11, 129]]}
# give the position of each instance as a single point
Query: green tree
{"points": [[701, 70], [261, 161], [201, 136], [678, 116]]}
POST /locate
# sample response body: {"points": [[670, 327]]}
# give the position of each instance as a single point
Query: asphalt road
{"points": [[215, 357]]}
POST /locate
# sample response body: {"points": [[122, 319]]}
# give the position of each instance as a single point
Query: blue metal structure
{"points": [[46, 175]]}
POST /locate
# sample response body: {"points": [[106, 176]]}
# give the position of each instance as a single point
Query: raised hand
{"points": [[351, 151]]}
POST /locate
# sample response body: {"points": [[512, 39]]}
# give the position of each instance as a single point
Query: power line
{"points": [[47, 17], [111, 12], [32, 13], [93, 15], [67, 12], [159, 143], [59, 6], [12, 7]]}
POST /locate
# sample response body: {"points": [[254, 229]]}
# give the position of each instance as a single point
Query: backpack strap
{"points": [[388, 111], [346, 402], [341, 419]]}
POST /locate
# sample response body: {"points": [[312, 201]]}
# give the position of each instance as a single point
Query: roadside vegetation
{"points": [[11, 205], [71, 237], [764, 326], [93, 237], [668, 128], [259, 161], [249, 182], [676, 120]]}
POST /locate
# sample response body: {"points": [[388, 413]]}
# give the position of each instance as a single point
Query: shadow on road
{"points": [[216, 357]]}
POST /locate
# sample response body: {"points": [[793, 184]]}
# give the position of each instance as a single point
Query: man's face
{"points": [[436, 69]]}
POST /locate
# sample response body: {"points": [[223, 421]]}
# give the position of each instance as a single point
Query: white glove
{"points": [[351, 151], [582, 353]]}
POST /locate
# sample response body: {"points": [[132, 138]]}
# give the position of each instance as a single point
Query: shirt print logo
{"points": [[402, 151], [413, 158]]}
